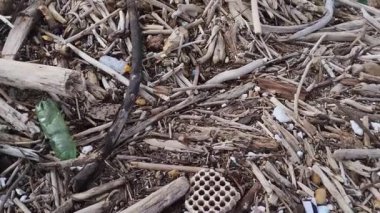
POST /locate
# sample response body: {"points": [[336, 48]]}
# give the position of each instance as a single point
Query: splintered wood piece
{"points": [[161, 198], [282, 89], [57, 80], [22, 26], [98, 190]]}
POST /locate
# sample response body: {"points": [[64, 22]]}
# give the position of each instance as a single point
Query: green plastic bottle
{"points": [[55, 129]]}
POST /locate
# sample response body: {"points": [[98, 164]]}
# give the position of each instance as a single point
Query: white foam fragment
{"points": [[280, 114], [2, 182], [356, 128], [233, 159], [300, 154], [87, 149], [244, 96], [375, 126], [277, 138], [224, 105], [23, 198], [258, 209], [290, 126], [20, 191], [300, 135], [257, 89]]}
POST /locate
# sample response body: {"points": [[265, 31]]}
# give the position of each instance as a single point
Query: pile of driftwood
{"points": [[280, 96]]}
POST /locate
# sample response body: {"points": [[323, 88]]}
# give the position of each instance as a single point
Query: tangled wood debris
{"points": [[279, 96]]}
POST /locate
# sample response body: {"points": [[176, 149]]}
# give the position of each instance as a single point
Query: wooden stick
{"points": [[255, 17], [57, 80], [332, 189], [354, 154], [22, 26], [98, 190], [237, 73], [17, 120], [167, 167], [161, 198]]}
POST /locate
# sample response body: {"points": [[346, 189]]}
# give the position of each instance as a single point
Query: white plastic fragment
{"points": [[258, 209], [233, 159], [309, 205], [375, 126], [118, 65], [300, 154], [244, 96], [20, 192], [211, 193], [323, 209], [2, 182], [257, 89], [87, 149], [23, 198], [280, 114], [356, 128]]}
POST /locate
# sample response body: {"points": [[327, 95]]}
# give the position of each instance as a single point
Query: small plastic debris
{"points": [[55, 129], [210, 192], [233, 159], [300, 154], [320, 196], [323, 209], [224, 105], [376, 126], [244, 96], [87, 149], [20, 192], [310, 206], [280, 114], [2, 182], [118, 65], [23, 198], [258, 209], [257, 89], [356, 128]]}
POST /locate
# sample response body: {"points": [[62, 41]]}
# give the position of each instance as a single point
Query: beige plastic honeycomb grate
{"points": [[210, 192]]}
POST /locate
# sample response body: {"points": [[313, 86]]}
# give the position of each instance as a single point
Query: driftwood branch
{"points": [[318, 25], [161, 198], [237, 73], [57, 80], [356, 154]]}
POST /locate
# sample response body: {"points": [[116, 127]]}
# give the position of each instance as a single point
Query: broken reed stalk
{"points": [[112, 136], [162, 198], [57, 80]]}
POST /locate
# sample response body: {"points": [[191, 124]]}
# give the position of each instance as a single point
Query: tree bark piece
{"points": [[161, 198], [57, 80], [22, 26]]}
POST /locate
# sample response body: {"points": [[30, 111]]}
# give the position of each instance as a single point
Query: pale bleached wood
{"points": [[356, 154], [57, 80], [22, 26], [161, 198]]}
